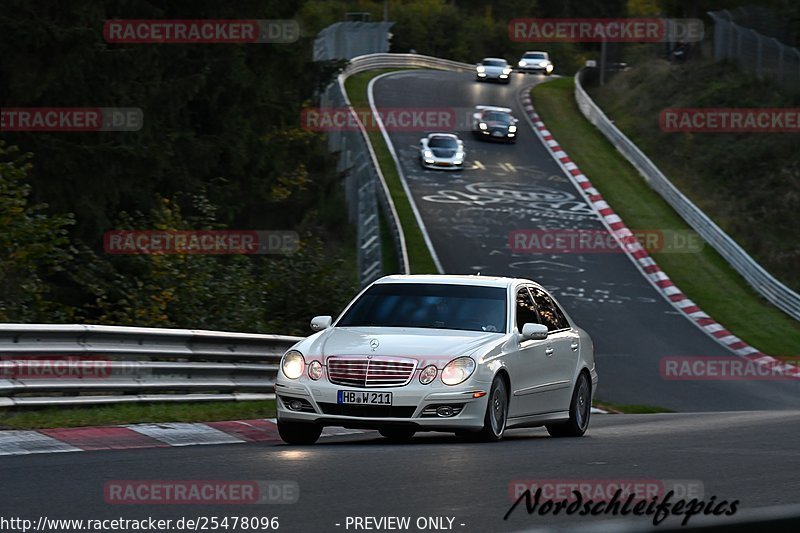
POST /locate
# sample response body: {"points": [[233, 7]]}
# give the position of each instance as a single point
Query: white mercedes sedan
{"points": [[472, 355]]}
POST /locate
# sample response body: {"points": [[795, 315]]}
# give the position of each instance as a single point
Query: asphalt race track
{"points": [[749, 456], [469, 214], [736, 440]]}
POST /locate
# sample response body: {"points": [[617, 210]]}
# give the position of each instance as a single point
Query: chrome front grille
{"points": [[375, 371]]}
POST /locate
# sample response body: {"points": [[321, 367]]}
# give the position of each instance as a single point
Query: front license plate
{"points": [[364, 398]]}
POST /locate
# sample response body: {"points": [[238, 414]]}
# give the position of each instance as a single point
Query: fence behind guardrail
{"points": [[754, 51]]}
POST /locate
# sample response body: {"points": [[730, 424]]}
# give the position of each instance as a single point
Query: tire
{"points": [[580, 410], [301, 433], [494, 423], [397, 433]]}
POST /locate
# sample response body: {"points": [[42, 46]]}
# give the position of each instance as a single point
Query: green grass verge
{"points": [[419, 257], [133, 413], [629, 409], [704, 277]]}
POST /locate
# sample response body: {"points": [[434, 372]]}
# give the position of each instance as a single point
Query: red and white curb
{"points": [[161, 435], [646, 264]]}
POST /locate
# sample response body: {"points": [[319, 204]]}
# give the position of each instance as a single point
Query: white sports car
{"points": [[536, 62], [468, 354], [443, 151], [493, 68]]}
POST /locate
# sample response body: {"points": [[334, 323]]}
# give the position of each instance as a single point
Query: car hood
{"points": [[430, 346]]}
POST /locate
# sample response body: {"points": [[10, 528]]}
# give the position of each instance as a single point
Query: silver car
{"points": [[472, 355], [493, 68], [537, 62], [442, 151], [494, 123]]}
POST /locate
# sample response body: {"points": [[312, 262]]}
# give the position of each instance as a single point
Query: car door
{"points": [[533, 367], [565, 343]]}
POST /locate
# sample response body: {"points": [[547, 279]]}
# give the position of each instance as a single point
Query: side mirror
{"points": [[534, 331], [318, 323]]}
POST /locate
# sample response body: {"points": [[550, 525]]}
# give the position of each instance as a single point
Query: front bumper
{"points": [[491, 76], [411, 406], [534, 70], [489, 135], [441, 164]]}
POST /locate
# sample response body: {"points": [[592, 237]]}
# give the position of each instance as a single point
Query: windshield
{"points": [[405, 305], [442, 142], [537, 55], [493, 63], [496, 116]]}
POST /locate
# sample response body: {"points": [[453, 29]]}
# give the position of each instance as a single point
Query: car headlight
{"points": [[481, 69], [293, 364], [457, 370], [428, 374], [506, 71], [549, 67], [482, 125], [428, 154], [522, 62], [512, 128], [315, 370]]}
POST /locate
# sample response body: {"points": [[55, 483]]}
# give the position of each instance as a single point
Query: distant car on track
{"points": [[494, 123], [537, 62], [441, 151], [493, 68], [472, 355]]}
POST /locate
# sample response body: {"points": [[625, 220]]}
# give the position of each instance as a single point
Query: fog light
{"points": [[295, 405], [445, 411]]}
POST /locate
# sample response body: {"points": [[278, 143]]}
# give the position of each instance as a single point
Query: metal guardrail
{"points": [[762, 281], [44, 364]]}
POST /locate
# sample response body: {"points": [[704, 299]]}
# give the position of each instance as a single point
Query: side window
{"points": [[551, 315], [526, 309]]}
